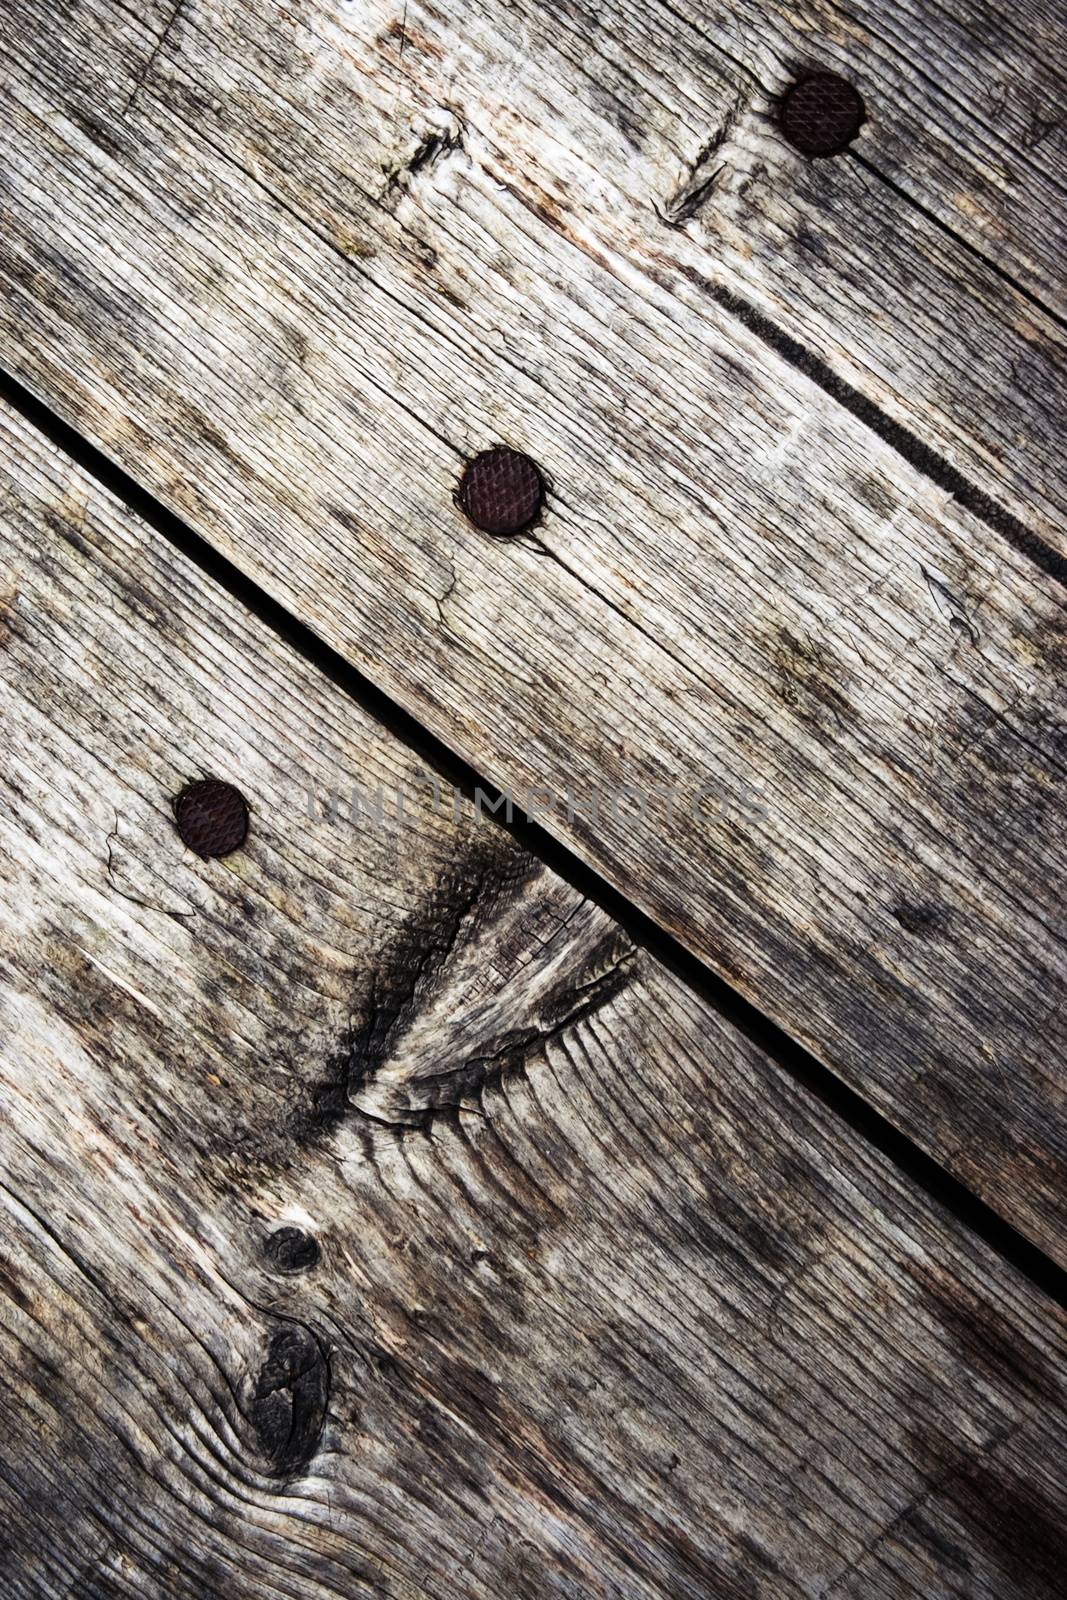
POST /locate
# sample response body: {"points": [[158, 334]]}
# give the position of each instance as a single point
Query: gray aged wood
{"points": [[965, 107], [603, 121], [605, 1305], [738, 586]]}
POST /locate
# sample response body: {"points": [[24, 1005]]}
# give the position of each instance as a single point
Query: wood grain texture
{"points": [[737, 588], [604, 1305], [606, 122], [965, 107]]}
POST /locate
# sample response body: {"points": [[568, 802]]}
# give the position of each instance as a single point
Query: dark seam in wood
{"points": [[901, 439], [805, 1069], [746, 71], [957, 238], [151, 61], [908, 445]]}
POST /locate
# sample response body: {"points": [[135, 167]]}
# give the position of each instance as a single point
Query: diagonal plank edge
{"points": [[857, 1114], [600, 1302], [754, 598], [963, 122], [912, 449]]}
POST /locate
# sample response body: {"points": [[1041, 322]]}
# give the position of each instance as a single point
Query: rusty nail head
{"points": [[821, 114], [501, 491], [212, 817]]}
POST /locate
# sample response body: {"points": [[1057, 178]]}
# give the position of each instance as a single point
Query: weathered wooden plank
{"points": [[964, 104], [756, 601], [604, 1304], [657, 116], [617, 125]]}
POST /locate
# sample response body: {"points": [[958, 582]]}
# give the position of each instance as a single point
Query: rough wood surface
{"points": [[965, 104], [619, 126], [737, 587], [604, 1305]]}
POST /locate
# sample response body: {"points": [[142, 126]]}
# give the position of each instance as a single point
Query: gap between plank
{"points": [[946, 1191], [957, 238], [773, 97], [907, 444]]}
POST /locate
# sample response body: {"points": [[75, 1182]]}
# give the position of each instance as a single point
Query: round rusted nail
{"points": [[211, 817], [292, 1250], [501, 491], [821, 114]]}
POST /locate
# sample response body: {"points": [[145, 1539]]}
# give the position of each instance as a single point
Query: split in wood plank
{"points": [[614, 126]]}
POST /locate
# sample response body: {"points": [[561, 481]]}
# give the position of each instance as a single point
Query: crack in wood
{"points": [[150, 62], [908, 445], [957, 238], [651, 936], [146, 905], [591, 1285], [950, 606], [704, 172], [421, 949], [433, 148]]}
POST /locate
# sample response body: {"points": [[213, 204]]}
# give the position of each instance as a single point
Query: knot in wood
{"points": [[292, 1250], [290, 1399]]}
